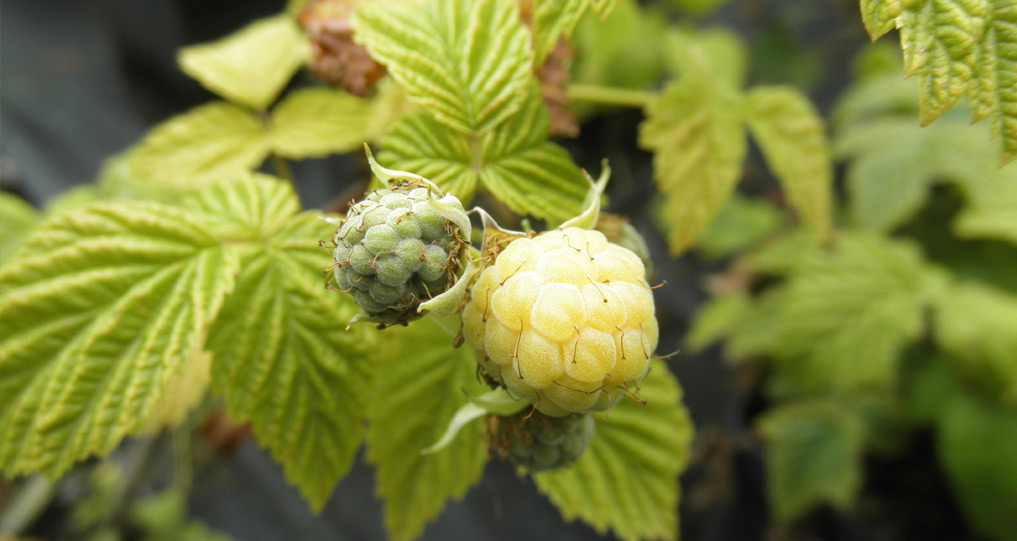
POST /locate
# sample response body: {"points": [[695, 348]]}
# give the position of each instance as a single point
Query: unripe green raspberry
{"points": [[394, 251], [538, 442], [565, 320]]}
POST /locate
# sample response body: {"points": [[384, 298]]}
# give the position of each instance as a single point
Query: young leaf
{"points": [[977, 326], [19, 219], [791, 135], [847, 314], [208, 143], [976, 444], [421, 383], [813, 456], [281, 357], [627, 481], [551, 21], [251, 66], [466, 61], [315, 122], [104, 305], [513, 162], [957, 48], [698, 147]]}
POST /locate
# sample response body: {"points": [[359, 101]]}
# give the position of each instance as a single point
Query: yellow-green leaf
{"points": [[205, 144], [846, 315], [104, 307], [698, 144], [421, 383], [955, 48], [515, 162], [282, 358], [316, 122], [977, 326], [251, 66], [791, 135], [551, 21], [627, 481], [467, 61]]}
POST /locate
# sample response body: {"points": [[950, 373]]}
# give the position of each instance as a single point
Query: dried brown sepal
{"points": [[335, 58], [554, 79]]}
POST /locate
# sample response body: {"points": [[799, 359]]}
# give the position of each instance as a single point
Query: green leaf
{"points": [[977, 443], [629, 37], [991, 209], [698, 145], [515, 162], [716, 319], [466, 61], [19, 219], [551, 21], [103, 308], [713, 52], [977, 326], [846, 315], [421, 383], [813, 456], [896, 161], [316, 122], [603, 8], [281, 357], [627, 481], [74, 198], [791, 135], [210, 142], [741, 223], [251, 66], [958, 47]]}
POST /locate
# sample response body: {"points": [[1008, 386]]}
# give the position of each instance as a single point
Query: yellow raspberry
{"points": [[565, 319]]}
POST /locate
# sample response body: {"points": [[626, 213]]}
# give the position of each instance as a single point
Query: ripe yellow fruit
{"points": [[564, 319]]}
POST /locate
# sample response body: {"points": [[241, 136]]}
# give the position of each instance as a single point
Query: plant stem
{"points": [[29, 502], [281, 169], [611, 96]]}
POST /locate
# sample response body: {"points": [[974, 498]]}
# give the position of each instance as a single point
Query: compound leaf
{"points": [[251, 66], [205, 144], [514, 162], [847, 314], [976, 444], [956, 48], [466, 61], [791, 135], [699, 145], [19, 219], [421, 382], [977, 326], [551, 21], [280, 355], [813, 456], [104, 306], [627, 481], [316, 122]]}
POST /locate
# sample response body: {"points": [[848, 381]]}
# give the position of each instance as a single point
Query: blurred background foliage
{"points": [[862, 390]]}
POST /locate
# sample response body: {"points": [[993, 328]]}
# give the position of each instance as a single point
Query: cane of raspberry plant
{"points": [[537, 442], [400, 247], [564, 320]]}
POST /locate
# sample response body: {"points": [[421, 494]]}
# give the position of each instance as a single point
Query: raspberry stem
{"points": [[611, 96]]}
